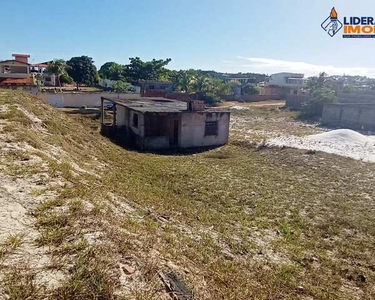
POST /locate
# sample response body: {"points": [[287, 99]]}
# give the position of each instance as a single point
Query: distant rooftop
{"points": [[13, 60], [21, 55], [154, 81], [290, 74], [40, 65]]}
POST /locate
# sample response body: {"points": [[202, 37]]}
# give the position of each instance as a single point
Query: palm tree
{"points": [[201, 83], [184, 81], [322, 79], [58, 67], [318, 82], [39, 81]]}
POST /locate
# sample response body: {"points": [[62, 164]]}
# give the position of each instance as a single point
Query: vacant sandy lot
{"points": [[243, 221]]}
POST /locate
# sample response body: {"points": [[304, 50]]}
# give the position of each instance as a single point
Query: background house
{"points": [[154, 88], [15, 68], [295, 82], [40, 68], [156, 85], [107, 84], [15, 74]]}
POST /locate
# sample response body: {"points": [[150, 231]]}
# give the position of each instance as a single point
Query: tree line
{"points": [[82, 70]]}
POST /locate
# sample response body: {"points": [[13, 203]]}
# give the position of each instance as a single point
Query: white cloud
{"points": [[269, 66]]}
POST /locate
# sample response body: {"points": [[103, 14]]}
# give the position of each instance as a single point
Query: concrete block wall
{"points": [[354, 116], [271, 90], [363, 97], [296, 101], [183, 96]]}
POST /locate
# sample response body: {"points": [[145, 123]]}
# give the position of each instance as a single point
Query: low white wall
{"points": [[81, 99]]}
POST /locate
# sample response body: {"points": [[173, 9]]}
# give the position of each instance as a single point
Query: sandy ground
{"points": [[281, 132], [16, 200], [18, 197], [19, 194], [237, 105]]}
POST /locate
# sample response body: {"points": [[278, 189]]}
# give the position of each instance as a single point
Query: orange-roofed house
{"points": [[15, 73], [15, 68]]}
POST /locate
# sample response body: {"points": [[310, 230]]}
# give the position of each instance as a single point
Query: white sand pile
{"points": [[340, 136], [342, 142], [236, 107]]}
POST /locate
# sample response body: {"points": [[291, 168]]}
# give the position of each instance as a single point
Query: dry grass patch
{"points": [[21, 283]]}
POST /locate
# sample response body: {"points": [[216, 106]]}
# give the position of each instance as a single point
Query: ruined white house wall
{"points": [[163, 127], [140, 129], [121, 116], [193, 129], [124, 117]]}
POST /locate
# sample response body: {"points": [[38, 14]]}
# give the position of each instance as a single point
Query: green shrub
{"points": [[250, 89], [121, 86], [313, 108], [211, 99], [66, 79]]}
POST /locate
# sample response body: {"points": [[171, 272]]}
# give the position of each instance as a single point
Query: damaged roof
{"points": [[158, 105], [155, 105]]}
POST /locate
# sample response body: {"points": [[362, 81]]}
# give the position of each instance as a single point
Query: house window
{"points": [[48, 79], [211, 128], [135, 120], [152, 87], [162, 87], [7, 69]]}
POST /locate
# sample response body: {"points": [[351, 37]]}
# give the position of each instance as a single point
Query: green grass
{"points": [[245, 223], [91, 278]]}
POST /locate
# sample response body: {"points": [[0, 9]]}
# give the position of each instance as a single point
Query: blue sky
{"points": [[229, 36]]}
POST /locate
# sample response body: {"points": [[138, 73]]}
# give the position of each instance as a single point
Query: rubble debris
{"points": [[176, 289]]}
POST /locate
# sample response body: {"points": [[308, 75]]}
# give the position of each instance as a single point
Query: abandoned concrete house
{"points": [[156, 124]]}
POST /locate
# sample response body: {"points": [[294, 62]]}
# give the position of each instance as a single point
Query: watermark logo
{"points": [[359, 27], [354, 27], [332, 24]]}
